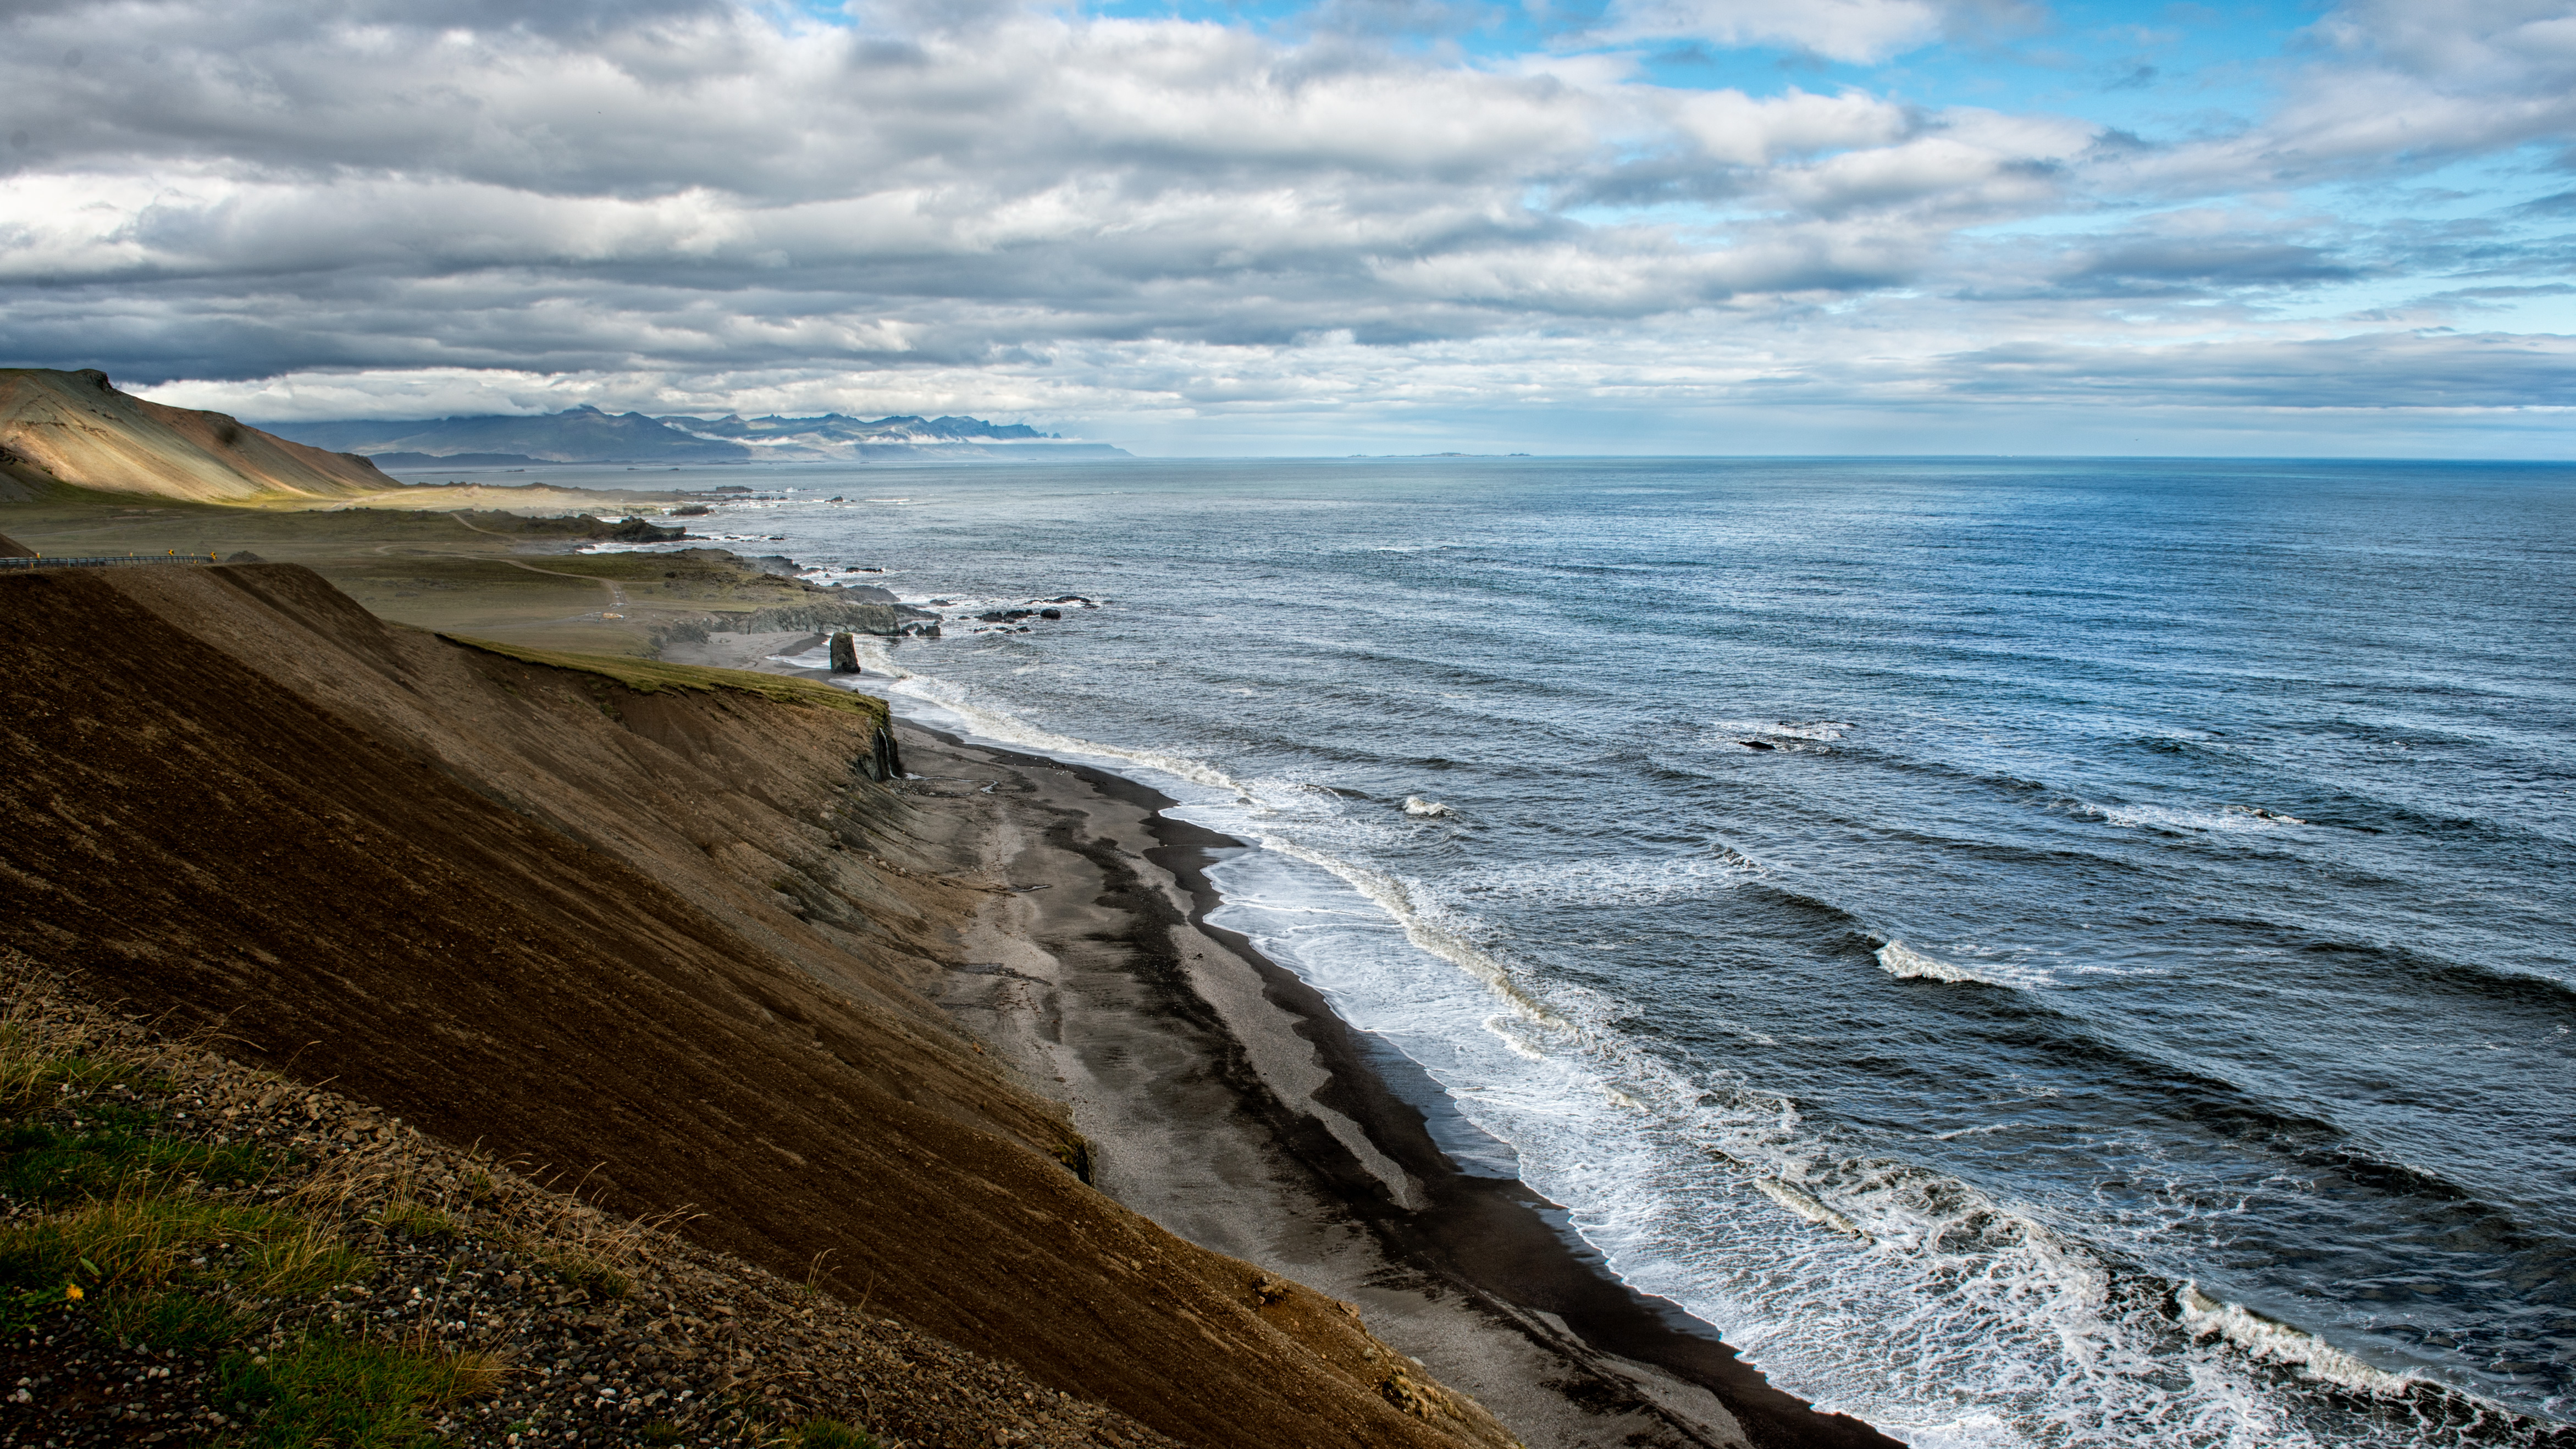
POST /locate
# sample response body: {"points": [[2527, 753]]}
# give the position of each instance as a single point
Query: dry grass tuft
{"points": [[590, 1248]]}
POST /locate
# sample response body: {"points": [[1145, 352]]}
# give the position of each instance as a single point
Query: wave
{"points": [[1422, 929], [1805, 1204], [1983, 1298], [2270, 1339], [1907, 964], [2494, 983], [2219, 819], [1009, 729], [1600, 882], [1800, 733]]}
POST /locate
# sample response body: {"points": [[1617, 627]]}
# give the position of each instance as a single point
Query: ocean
{"points": [[2034, 952]]}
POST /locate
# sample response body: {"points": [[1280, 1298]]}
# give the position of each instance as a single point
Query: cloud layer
{"points": [[303, 211]]}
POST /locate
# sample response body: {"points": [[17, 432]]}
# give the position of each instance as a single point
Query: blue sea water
{"points": [[2037, 953]]}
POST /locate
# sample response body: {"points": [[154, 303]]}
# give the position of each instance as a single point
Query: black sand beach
{"points": [[1229, 1103]]}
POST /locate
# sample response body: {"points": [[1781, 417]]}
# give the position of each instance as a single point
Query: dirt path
{"points": [[616, 591]]}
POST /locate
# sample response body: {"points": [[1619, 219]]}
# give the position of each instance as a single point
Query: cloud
{"points": [[1851, 30], [646, 204], [2394, 86], [1634, 387]]}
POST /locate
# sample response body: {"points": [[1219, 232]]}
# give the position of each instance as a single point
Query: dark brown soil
{"points": [[665, 940], [594, 1330]]}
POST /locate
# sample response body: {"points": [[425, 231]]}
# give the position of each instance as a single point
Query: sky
{"points": [[1316, 227]]}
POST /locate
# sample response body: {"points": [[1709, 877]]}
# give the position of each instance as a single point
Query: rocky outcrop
{"points": [[630, 529], [874, 619], [636, 530], [883, 761], [845, 653]]}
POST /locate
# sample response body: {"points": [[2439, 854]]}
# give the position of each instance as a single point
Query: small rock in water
{"points": [[1757, 745], [1427, 809], [1050, 613]]}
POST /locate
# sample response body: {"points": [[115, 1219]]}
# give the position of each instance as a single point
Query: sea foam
{"points": [[1907, 964], [2269, 1338]]}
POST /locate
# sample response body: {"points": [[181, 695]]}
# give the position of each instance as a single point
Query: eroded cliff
{"points": [[651, 927]]}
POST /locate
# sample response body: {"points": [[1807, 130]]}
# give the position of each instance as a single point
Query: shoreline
{"points": [[1490, 1239], [1494, 1239], [1263, 1125]]}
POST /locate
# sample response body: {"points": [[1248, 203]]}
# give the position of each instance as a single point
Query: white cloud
{"points": [[2400, 85], [1734, 128], [375, 207], [1852, 30]]}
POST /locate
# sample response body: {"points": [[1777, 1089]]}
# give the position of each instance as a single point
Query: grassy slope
{"points": [[417, 566], [129, 1236], [192, 1246], [650, 676]]}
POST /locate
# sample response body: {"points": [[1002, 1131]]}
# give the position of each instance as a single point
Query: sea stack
{"points": [[845, 653]]}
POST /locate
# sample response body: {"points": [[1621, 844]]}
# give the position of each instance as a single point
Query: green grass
{"points": [[48, 1166], [174, 1320], [349, 1393], [418, 1220], [31, 1078], [833, 1434], [147, 1242], [144, 1236], [650, 676], [129, 1237]]}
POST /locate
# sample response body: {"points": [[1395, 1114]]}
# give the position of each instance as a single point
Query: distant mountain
{"points": [[452, 460], [76, 428], [588, 435], [578, 435], [834, 428]]}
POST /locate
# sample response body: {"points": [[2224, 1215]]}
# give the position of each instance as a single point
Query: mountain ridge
{"points": [[588, 434], [77, 429]]}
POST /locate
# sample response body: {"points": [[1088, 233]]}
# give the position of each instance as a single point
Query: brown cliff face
{"points": [[76, 428], [667, 940]]}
